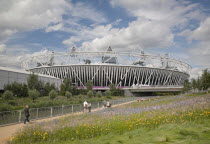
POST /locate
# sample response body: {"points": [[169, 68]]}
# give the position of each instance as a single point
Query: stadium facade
{"points": [[123, 69]]}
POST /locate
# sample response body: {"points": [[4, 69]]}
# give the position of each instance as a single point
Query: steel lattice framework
{"points": [[103, 68]]}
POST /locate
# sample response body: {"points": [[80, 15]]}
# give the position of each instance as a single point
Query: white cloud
{"points": [[87, 34], [195, 72], [56, 27], [9, 55], [71, 41], [171, 12], [202, 32], [26, 15], [85, 11], [2, 48], [200, 50], [154, 26], [200, 54], [148, 33]]}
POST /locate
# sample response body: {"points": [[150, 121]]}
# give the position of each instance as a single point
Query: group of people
{"points": [[87, 107], [106, 104]]}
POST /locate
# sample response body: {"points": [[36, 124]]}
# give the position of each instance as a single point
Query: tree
{"points": [[32, 81], [33, 94], [199, 86], [48, 87], [62, 89], [24, 90], [53, 94], [187, 86], [108, 93], [89, 85], [112, 87], [68, 94], [98, 94], [7, 95], [68, 84], [90, 94], [194, 84], [205, 80]]}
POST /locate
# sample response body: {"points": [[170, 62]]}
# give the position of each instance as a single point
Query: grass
{"points": [[185, 133], [175, 120]]}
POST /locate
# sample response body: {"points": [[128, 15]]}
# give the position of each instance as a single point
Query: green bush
{"points": [[90, 94], [33, 94], [4, 107], [53, 94], [8, 95], [98, 94], [68, 94]]}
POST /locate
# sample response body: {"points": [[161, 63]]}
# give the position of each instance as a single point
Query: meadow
{"points": [[166, 119]]}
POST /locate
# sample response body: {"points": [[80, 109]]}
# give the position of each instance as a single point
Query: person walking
{"points": [[85, 104], [104, 103], [27, 114], [89, 107]]}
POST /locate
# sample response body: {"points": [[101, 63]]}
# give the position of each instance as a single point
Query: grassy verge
{"points": [[19, 103]]}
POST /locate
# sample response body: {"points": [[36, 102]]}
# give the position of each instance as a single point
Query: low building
{"points": [[8, 76]]}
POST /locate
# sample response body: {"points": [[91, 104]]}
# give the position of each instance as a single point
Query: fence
{"points": [[13, 117]]}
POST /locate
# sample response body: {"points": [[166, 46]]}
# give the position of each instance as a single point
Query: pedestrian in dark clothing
{"points": [[27, 114], [89, 107]]}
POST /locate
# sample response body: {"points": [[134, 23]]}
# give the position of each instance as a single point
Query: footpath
{"points": [[6, 132]]}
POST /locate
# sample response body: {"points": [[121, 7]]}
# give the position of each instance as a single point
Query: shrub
{"points": [[12, 102], [98, 94], [68, 94], [53, 94], [60, 98], [33, 94], [90, 94], [8, 95]]}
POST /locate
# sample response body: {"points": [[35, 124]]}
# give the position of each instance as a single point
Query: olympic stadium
{"points": [[126, 70]]}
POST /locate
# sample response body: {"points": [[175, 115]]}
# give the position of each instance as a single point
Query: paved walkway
{"points": [[7, 132]]}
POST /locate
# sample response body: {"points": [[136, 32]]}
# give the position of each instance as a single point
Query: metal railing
{"points": [[17, 116]]}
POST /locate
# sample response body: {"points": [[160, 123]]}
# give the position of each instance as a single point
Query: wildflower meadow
{"points": [[183, 119]]}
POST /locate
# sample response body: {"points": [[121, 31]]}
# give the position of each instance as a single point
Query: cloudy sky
{"points": [[180, 28]]}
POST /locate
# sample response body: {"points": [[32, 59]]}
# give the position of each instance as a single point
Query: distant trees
{"points": [[18, 89], [201, 83], [115, 91], [33, 83]]}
